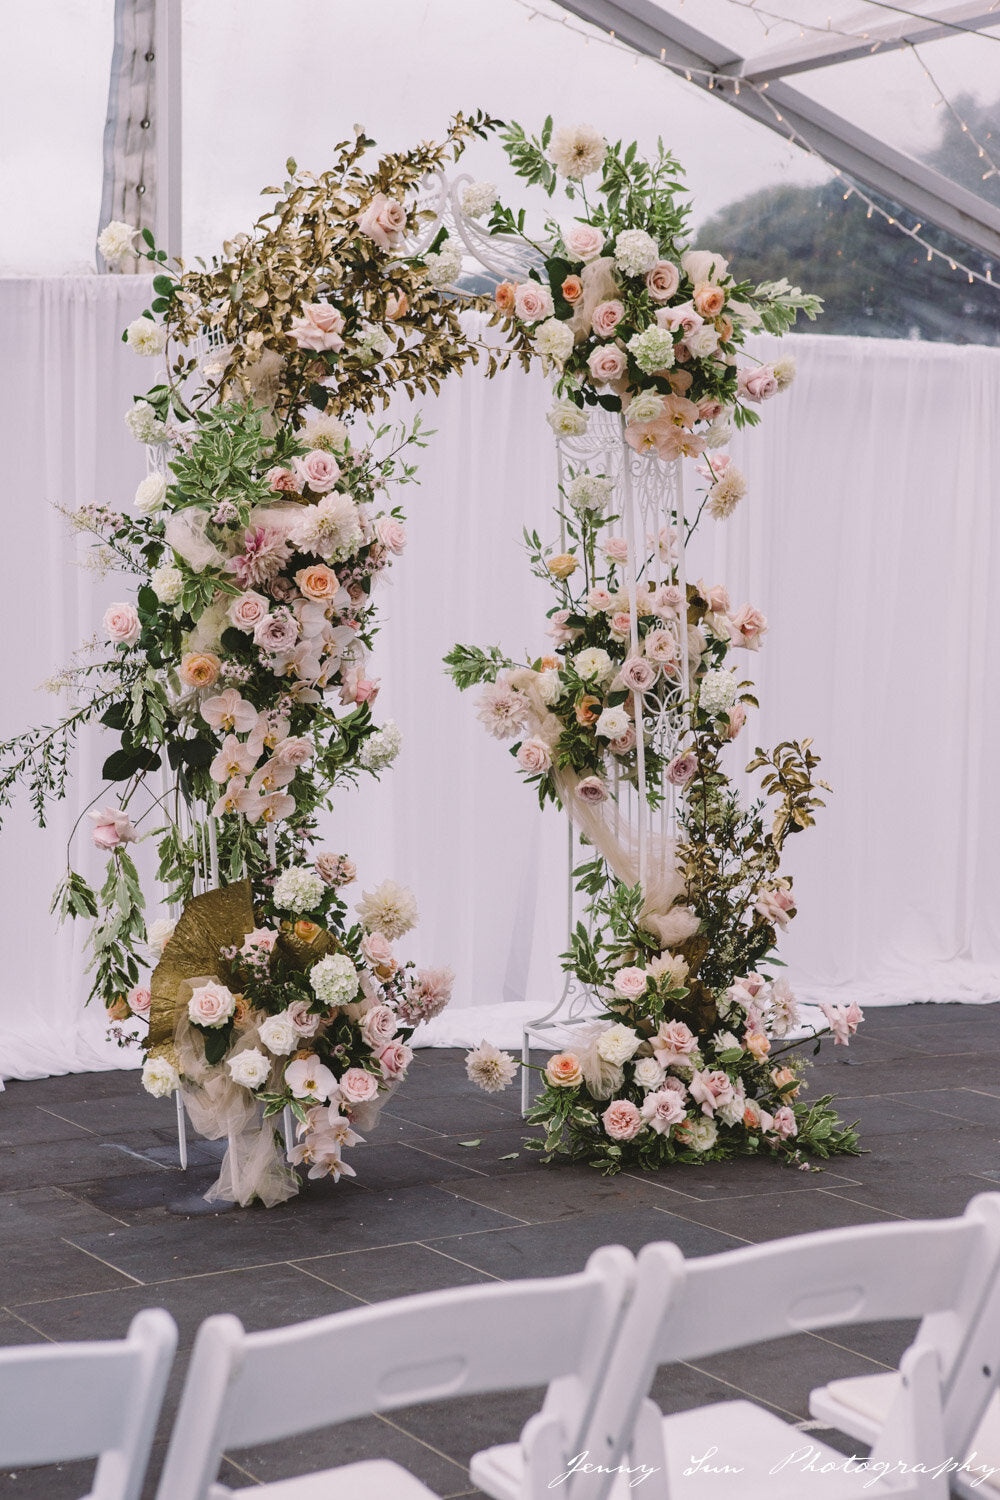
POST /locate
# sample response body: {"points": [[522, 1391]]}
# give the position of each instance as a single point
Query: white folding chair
{"points": [[251, 1388], [966, 1342], [741, 1451], [60, 1402]]}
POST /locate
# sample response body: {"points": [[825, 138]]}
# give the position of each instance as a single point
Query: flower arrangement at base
{"points": [[276, 999], [628, 720]]}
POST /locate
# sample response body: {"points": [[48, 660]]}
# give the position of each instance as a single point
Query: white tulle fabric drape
{"points": [[868, 539]]}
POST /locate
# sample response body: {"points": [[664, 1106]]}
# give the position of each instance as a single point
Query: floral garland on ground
{"points": [[241, 658], [681, 1063]]}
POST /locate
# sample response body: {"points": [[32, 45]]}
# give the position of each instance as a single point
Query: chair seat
{"points": [[860, 1405], [376, 1479], [499, 1471]]}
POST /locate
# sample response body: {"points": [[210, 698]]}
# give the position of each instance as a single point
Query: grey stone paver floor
{"points": [[88, 1168]]}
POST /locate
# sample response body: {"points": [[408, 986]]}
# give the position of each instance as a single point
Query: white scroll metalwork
{"points": [[649, 498]]}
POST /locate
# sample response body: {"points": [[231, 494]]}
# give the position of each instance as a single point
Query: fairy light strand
{"points": [[720, 81], [984, 155]]}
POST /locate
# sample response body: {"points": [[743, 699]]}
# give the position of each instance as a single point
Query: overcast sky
{"points": [[265, 81]]}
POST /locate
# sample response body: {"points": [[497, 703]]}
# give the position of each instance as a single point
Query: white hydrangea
{"points": [[636, 252], [144, 425], [376, 339], [146, 337], [613, 723], [390, 908], [594, 664], [617, 1044], [334, 979], [577, 150], [249, 1068], [159, 1077], [649, 1074], [116, 241], [646, 407], [652, 349], [279, 1034], [158, 935], [381, 748], [590, 492], [167, 584], [477, 198], [717, 693], [567, 419], [554, 340], [150, 494], [444, 266], [297, 889]]}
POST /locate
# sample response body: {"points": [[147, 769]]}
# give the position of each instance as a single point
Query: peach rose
{"points": [[724, 328], [563, 1071], [757, 1045], [607, 363], [782, 1076], [709, 299], [662, 281], [121, 624], [534, 757], [118, 1010], [318, 581], [583, 241], [588, 709], [562, 565], [572, 289], [378, 951], [621, 1120], [306, 931], [199, 669], [397, 305], [606, 317], [504, 296]]}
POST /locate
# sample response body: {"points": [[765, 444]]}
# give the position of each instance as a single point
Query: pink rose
{"points": [[282, 480], [121, 624], [775, 905], [583, 241], [606, 317], [620, 624], [621, 1120], [843, 1021], [260, 939], [277, 632], [247, 610], [662, 281], [599, 600], [335, 869], [534, 757], [378, 951], [751, 624], [630, 983], [784, 1122], [378, 1026], [638, 675], [682, 768], [391, 533], [663, 1109], [673, 1043], [211, 1005], [661, 647], [716, 597], [111, 828], [319, 470], [624, 742], [591, 789], [305, 1021], [737, 717], [607, 363], [558, 630], [395, 1059], [757, 385], [615, 549], [533, 302], [667, 601], [682, 316], [383, 221], [319, 327], [295, 751], [708, 408], [358, 1086], [140, 1000], [710, 1089]]}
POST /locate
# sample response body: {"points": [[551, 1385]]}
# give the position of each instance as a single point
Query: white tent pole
{"points": [[168, 102]]}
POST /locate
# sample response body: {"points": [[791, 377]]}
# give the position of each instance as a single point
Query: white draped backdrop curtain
{"points": [[868, 539]]}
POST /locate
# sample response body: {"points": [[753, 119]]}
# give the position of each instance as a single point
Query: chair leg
{"points": [[288, 1120], [182, 1145]]}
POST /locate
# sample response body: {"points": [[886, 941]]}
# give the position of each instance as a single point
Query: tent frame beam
{"points": [[934, 198]]}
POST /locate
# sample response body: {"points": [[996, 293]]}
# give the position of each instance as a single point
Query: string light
{"points": [[942, 98], [707, 78]]}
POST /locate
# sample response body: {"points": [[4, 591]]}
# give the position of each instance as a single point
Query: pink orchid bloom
{"points": [[229, 711]]}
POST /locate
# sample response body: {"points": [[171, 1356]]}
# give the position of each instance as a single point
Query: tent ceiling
{"points": [[753, 82]]}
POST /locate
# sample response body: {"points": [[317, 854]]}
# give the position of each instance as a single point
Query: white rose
{"points": [[649, 1074], [704, 265], [146, 337], [594, 664], [211, 1005], [617, 1044], [731, 1112], [567, 419], [279, 1035], [250, 1068], [150, 494], [159, 1077], [702, 341], [167, 584], [700, 1135], [549, 686], [646, 407], [613, 723]]}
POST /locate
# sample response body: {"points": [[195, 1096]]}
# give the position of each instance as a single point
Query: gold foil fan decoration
{"points": [[210, 922]]}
